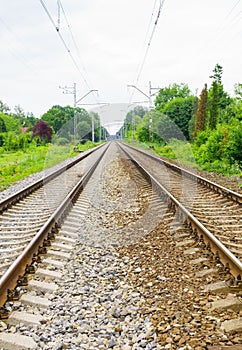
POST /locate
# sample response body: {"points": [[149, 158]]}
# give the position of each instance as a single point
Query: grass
{"points": [[15, 166], [183, 153]]}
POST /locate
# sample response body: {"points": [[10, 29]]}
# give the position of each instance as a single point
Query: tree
{"points": [[214, 106], [171, 92], [238, 91], [84, 130], [57, 116], [4, 108], [11, 123], [217, 97], [2, 125], [179, 110], [201, 112], [217, 74], [42, 131]]}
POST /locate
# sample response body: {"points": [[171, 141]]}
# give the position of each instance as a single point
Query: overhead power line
{"points": [[150, 22], [141, 66], [150, 41], [57, 29]]}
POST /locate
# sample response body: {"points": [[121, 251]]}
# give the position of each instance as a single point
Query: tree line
{"points": [[19, 130], [210, 123]]}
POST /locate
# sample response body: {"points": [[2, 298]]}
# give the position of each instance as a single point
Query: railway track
{"points": [[119, 230], [212, 211], [26, 212]]}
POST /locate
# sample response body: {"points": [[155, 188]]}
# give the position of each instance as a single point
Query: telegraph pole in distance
{"points": [[149, 96], [72, 90]]}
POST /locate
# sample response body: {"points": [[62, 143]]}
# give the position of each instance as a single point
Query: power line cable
{"points": [[150, 22], [141, 66], [64, 43], [150, 41], [73, 38]]}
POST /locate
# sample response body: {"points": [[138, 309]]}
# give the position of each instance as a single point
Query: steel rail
{"points": [[12, 199], [227, 258], [10, 277], [236, 197]]}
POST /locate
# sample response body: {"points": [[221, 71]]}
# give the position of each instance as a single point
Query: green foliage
{"points": [[4, 108], [219, 146], [17, 165], [2, 125], [143, 133], [234, 144], [11, 123], [165, 151], [179, 110], [10, 141], [58, 116], [213, 116], [201, 112], [167, 129], [61, 119], [171, 92], [217, 74], [84, 130], [238, 91], [61, 141], [218, 99]]}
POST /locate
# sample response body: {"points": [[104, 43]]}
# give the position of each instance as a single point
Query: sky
{"points": [[106, 45]]}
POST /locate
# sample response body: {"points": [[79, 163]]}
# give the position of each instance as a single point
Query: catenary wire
{"points": [[141, 67], [64, 43], [73, 40]]}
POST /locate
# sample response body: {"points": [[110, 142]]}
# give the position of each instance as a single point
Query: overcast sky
{"points": [[111, 36]]}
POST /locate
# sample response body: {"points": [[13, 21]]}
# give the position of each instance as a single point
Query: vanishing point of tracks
{"points": [[202, 218]]}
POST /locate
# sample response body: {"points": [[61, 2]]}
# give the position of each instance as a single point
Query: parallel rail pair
{"points": [[38, 244], [229, 260], [18, 268]]}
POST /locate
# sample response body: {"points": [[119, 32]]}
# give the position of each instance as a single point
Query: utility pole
{"points": [[72, 90], [93, 135], [150, 104], [133, 116]]}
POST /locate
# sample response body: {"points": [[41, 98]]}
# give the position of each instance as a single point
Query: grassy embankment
{"points": [[187, 155], [14, 166]]}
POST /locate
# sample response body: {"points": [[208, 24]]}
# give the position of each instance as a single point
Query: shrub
{"points": [[61, 141]]}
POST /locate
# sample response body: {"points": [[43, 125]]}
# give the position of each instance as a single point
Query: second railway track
{"points": [[124, 272]]}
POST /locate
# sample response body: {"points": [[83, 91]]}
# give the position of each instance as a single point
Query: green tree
{"points": [[201, 112], [4, 108], [58, 116], [84, 130], [218, 98], [171, 92], [2, 125], [11, 123], [217, 74], [238, 91], [179, 110]]}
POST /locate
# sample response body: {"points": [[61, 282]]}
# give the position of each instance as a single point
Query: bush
{"points": [[220, 148], [61, 141]]}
